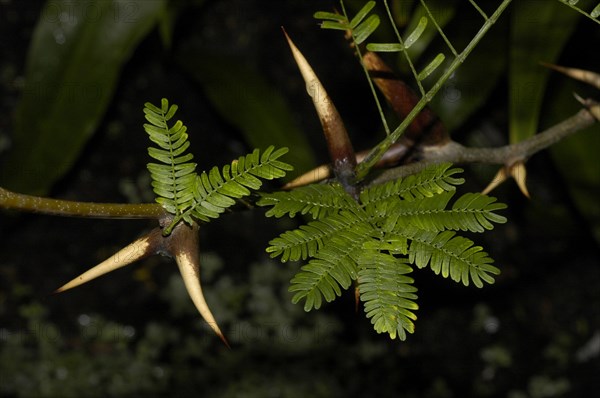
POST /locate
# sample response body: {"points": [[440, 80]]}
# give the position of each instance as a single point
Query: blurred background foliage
{"points": [[74, 77]]}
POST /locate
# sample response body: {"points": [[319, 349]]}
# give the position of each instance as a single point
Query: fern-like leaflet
{"points": [[389, 294], [360, 28], [194, 197], [332, 267], [427, 183], [316, 200], [173, 179], [214, 191], [376, 241]]}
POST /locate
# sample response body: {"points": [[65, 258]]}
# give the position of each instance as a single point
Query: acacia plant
{"points": [[367, 228]]}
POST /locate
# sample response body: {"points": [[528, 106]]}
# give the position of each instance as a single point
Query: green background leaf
{"points": [[471, 85], [539, 30], [576, 157], [76, 54], [246, 100]]}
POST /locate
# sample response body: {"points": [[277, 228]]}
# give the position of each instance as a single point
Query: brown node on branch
{"points": [[181, 244], [515, 170]]}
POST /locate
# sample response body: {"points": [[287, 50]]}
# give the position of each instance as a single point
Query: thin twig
{"points": [[404, 53], [439, 29], [378, 151], [454, 152], [449, 152]]}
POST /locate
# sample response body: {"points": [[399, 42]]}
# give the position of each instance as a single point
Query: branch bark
{"points": [[449, 152], [57, 207], [454, 152]]}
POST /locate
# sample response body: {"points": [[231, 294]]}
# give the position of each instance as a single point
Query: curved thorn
{"points": [[340, 148], [498, 179], [519, 173], [315, 175], [586, 76], [184, 247], [136, 250], [592, 106]]}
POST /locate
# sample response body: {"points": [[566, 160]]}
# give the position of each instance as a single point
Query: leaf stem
{"points": [[405, 52], [386, 127], [377, 152], [439, 29], [579, 10]]}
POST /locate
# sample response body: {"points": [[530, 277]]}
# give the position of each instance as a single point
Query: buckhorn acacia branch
{"points": [[449, 152], [454, 152]]}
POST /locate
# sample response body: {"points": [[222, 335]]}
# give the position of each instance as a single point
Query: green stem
{"points": [[373, 157], [364, 68], [579, 10], [405, 52], [35, 204], [439, 29]]}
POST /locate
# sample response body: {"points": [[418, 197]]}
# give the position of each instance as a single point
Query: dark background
{"points": [[535, 333]]}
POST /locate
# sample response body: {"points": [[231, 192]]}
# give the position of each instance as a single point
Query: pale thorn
{"points": [[315, 175], [592, 106], [498, 179], [519, 173], [136, 250], [186, 256], [586, 76], [314, 88], [340, 148]]}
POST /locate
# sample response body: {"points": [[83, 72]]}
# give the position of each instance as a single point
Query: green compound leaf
{"points": [[316, 200], [189, 196], [333, 268], [388, 294], [374, 241], [213, 191], [173, 178], [433, 180], [451, 256], [305, 241], [472, 212]]}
